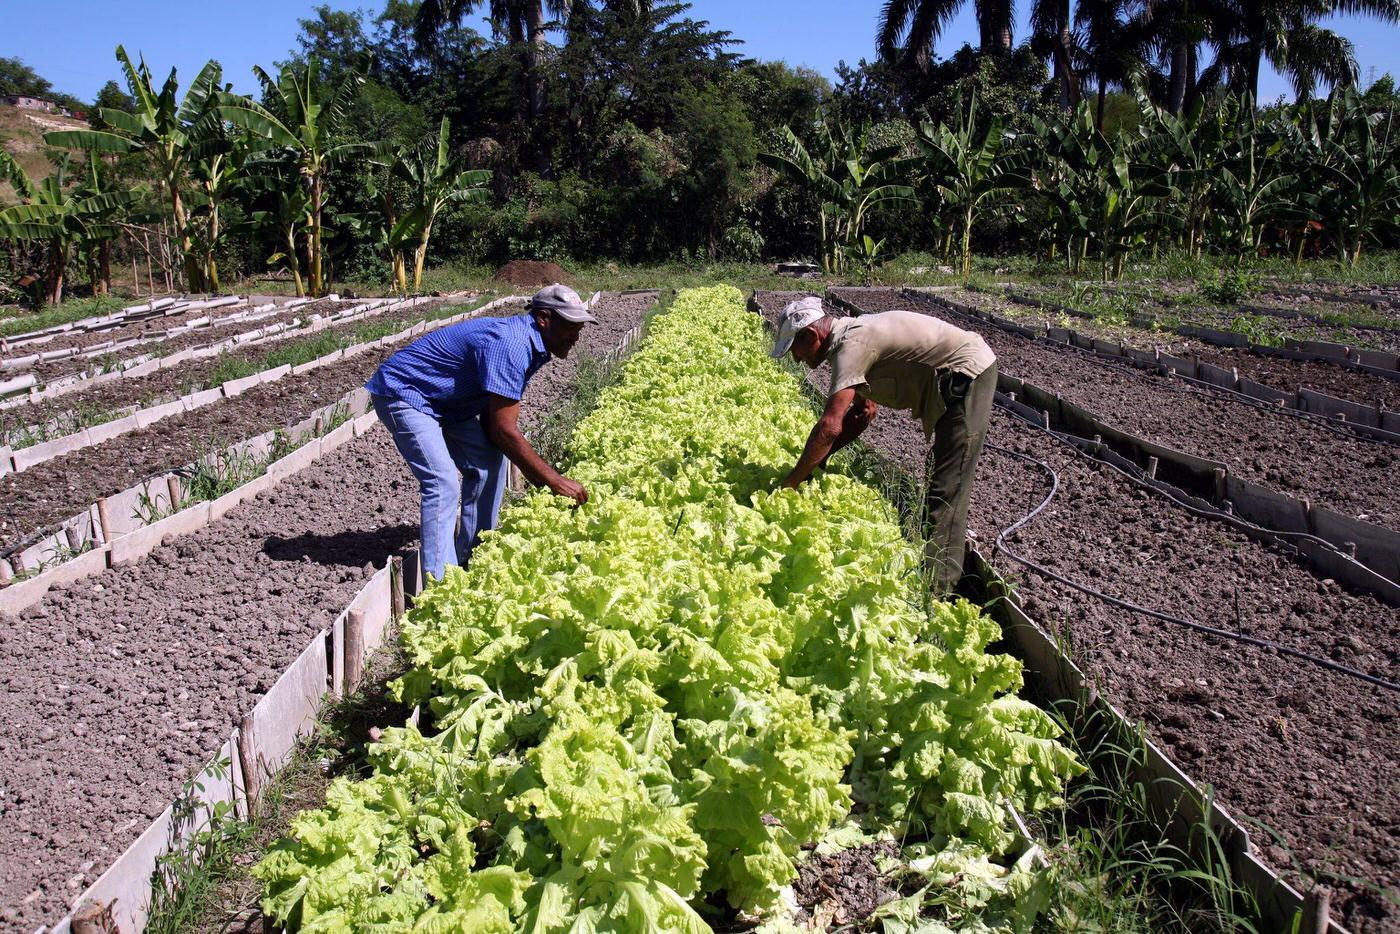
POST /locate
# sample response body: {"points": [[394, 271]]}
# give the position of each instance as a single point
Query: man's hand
{"points": [[570, 488], [823, 439], [503, 428]]}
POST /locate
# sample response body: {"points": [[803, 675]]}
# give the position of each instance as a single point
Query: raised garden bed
{"points": [[156, 658]]}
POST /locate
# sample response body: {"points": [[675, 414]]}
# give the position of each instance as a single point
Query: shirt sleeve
{"points": [[503, 367], [849, 365]]}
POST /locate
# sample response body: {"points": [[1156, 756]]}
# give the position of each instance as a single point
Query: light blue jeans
{"points": [[453, 514]]}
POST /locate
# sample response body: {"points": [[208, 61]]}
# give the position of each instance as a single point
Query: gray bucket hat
{"points": [[562, 301]]}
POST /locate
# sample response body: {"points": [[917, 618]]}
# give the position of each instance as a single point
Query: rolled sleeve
{"points": [[849, 366], [504, 368]]}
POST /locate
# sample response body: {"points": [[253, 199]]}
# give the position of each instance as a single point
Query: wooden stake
{"points": [[172, 486], [93, 918], [354, 650], [248, 754], [102, 519], [396, 596], [1322, 910], [1152, 467]]}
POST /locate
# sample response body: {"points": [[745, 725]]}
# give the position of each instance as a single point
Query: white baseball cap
{"points": [[562, 301], [797, 315]]}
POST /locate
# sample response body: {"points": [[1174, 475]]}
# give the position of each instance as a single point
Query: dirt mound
{"points": [[529, 272]]}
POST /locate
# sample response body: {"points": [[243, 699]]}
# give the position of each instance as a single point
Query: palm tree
{"points": [[1050, 35], [301, 120], [1246, 33], [908, 28]]}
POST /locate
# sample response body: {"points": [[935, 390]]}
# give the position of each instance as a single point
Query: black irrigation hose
{"points": [[1000, 545]]}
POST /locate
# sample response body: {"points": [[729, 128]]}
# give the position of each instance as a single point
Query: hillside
{"points": [[22, 134]]}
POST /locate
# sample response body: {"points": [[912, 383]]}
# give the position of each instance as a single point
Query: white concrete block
{"points": [[295, 461], [126, 885], [289, 708], [25, 458], [135, 545], [155, 413], [109, 430]]}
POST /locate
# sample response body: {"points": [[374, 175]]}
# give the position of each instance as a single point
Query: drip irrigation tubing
{"points": [[1001, 546], [1184, 384]]}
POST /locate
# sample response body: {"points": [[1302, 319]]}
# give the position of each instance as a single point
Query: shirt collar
{"points": [[536, 336], [838, 331]]}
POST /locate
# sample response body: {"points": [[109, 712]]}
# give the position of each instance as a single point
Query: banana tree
{"points": [[164, 128], [1360, 171], [849, 177], [964, 167], [434, 180], [61, 215], [1253, 188], [302, 119], [288, 213]]}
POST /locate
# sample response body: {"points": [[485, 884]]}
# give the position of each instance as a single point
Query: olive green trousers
{"points": [[957, 443]]}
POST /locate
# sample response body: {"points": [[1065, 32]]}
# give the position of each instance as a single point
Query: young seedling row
{"points": [[125, 683]]}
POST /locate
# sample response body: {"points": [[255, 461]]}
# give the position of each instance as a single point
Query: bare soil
{"points": [[1289, 452], [1305, 757], [845, 887], [531, 273], [121, 686]]}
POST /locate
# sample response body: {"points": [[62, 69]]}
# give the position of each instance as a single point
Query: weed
{"points": [[1259, 329], [1228, 287]]}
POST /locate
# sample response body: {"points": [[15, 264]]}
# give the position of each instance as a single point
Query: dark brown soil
{"points": [[845, 887], [1310, 754], [1280, 373], [47, 372], [117, 688], [531, 273], [1291, 453]]}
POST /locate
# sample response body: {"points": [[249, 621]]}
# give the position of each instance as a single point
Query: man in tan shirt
{"points": [[945, 376]]}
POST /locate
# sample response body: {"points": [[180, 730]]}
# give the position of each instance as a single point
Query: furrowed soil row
{"points": [[1328, 477], [142, 365], [1304, 752], [136, 403], [1295, 377], [1359, 326], [123, 685]]}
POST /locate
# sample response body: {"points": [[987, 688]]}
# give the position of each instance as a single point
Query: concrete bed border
{"points": [[1382, 364], [111, 532], [27, 457], [243, 313]]}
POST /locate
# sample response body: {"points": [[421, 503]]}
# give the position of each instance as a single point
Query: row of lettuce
{"points": [[643, 708]]}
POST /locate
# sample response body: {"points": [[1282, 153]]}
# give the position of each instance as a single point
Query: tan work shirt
{"points": [[896, 358]]}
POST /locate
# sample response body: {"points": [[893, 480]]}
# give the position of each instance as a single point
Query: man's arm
{"points": [[822, 441], [503, 428], [857, 418]]}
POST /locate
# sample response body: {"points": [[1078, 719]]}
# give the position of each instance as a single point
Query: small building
{"points": [[33, 103]]}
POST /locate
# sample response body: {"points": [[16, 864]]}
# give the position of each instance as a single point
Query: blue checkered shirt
{"points": [[450, 372]]}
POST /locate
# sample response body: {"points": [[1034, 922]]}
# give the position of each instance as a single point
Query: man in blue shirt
{"points": [[451, 400]]}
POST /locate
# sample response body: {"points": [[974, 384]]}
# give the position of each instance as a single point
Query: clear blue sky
{"points": [[70, 42]]}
